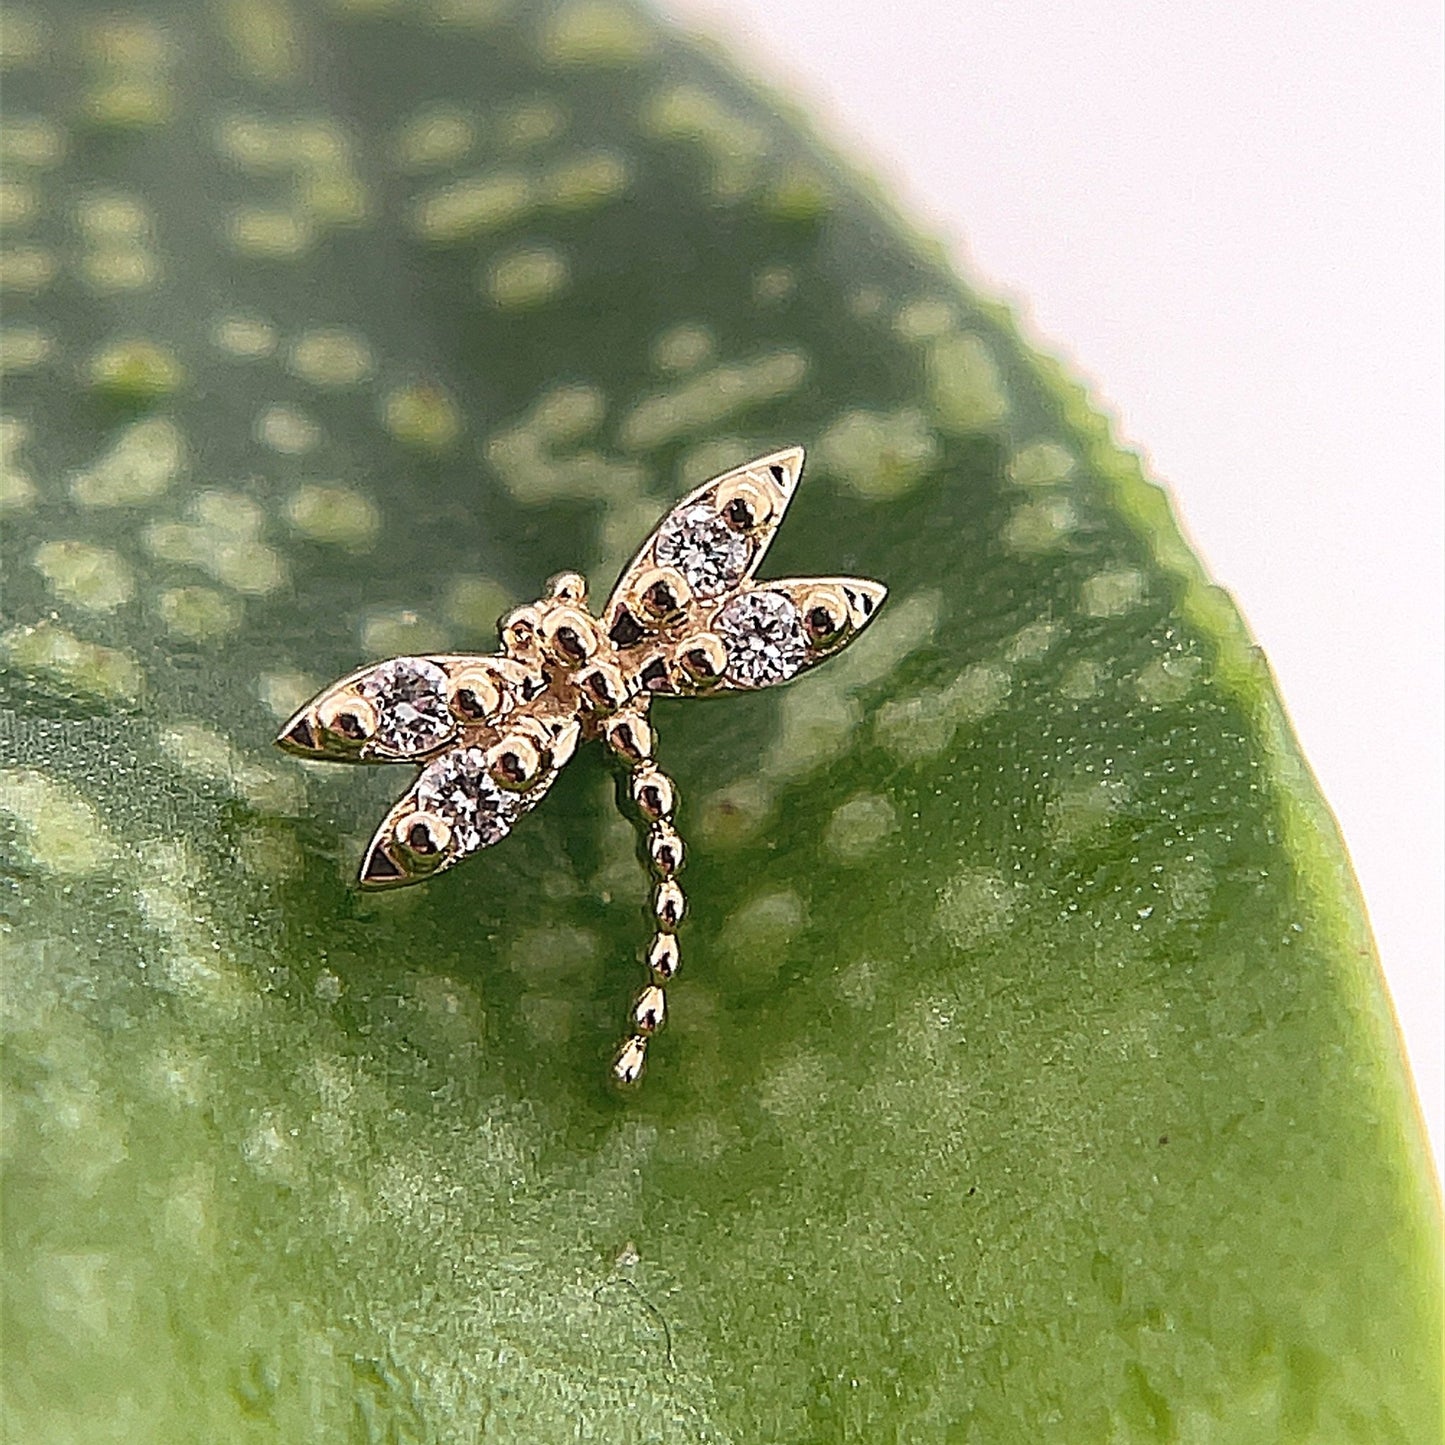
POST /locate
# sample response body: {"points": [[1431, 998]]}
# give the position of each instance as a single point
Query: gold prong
{"points": [[569, 636], [747, 503], [701, 661], [475, 695], [826, 618], [567, 587], [518, 629], [422, 839], [602, 687], [661, 595], [348, 719], [515, 762]]}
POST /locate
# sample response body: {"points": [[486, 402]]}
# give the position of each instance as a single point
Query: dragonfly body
{"points": [[492, 731]]}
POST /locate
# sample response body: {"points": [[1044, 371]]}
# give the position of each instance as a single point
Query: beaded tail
{"points": [[654, 800]]}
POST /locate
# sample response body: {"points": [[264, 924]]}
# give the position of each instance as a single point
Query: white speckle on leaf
{"points": [[974, 907], [1169, 679], [925, 320], [330, 357], [758, 934], [1084, 806], [281, 693], [86, 576], [1040, 526], [61, 831], [198, 614], [859, 826], [269, 232], [143, 462], [475, 603], [683, 348], [400, 632], [595, 33], [17, 486], [434, 137], [204, 753], [1032, 641], [49, 652], [249, 338], [1112, 593], [879, 454], [1082, 680], [710, 397], [525, 277], [335, 515], [287, 430], [23, 348], [1041, 464], [965, 385]]}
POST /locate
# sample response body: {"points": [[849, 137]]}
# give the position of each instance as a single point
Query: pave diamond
{"points": [[704, 549], [459, 788], [763, 633], [410, 697]]}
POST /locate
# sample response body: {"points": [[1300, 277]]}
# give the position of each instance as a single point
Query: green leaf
{"points": [[1030, 1078]]}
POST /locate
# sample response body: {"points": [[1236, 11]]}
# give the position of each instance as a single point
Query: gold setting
{"points": [[423, 838], [490, 733], [661, 595], [348, 719], [746, 503], [476, 695]]}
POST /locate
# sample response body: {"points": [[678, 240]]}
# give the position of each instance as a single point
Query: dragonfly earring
{"points": [[491, 732]]}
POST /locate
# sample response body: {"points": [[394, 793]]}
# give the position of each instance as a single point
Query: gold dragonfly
{"points": [[686, 619]]}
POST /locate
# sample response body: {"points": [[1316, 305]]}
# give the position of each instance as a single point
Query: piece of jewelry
{"points": [[491, 732]]}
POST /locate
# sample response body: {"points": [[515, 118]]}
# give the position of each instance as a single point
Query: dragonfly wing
{"points": [[711, 542], [407, 709], [771, 632], [456, 808]]}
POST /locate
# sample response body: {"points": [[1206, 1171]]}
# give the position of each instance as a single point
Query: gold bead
{"points": [[746, 503], [518, 629], [664, 847], [825, 616], [661, 595], [629, 736], [602, 687], [663, 957], [422, 839], [515, 762], [649, 1011], [569, 636], [347, 719], [631, 1060], [652, 791], [668, 905], [567, 587], [701, 660], [476, 695]]}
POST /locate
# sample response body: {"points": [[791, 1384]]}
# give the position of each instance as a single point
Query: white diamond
{"points": [[410, 697], [459, 788], [704, 549], [763, 633]]}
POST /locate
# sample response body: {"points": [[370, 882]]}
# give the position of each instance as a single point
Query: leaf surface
{"points": [[1030, 1075]]}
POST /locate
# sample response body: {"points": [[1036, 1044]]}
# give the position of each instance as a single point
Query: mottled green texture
{"points": [[1031, 1077]]}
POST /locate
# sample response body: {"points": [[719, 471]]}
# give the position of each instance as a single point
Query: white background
{"points": [[1229, 217]]}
